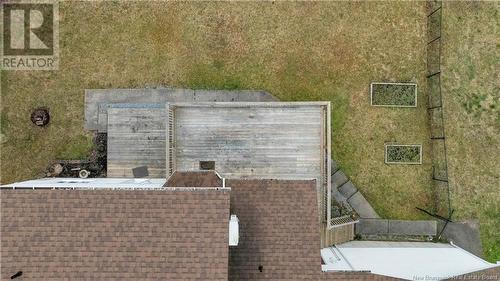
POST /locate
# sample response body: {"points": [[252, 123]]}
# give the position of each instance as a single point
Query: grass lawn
{"points": [[471, 103], [297, 51]]}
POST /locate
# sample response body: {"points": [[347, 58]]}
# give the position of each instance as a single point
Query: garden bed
{"points": [[403, 154], [393, 94]]}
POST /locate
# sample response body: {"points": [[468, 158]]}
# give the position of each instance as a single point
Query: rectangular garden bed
{"points": [[403, 154], [393, 94]]}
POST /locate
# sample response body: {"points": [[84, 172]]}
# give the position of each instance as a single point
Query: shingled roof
{"points": [[114, 234], [168, 234], [194, 179], [279, 233], [279, 230]]}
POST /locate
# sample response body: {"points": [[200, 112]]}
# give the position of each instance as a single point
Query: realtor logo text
{"points": [[30, 36]]}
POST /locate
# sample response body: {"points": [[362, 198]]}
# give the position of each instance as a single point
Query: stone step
{"points": [[343, 190], [361, 206], [338, 196], [396, 227], [338, 179], [348, 189]]}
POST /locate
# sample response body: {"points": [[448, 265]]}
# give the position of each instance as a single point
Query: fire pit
{"points": [[40, 116]]}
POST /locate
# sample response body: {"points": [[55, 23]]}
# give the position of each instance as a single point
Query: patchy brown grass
{"points": [[471, 100], [296, 51]]}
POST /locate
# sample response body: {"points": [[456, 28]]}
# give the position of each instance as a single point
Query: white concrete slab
{"points": [[406, 260]]}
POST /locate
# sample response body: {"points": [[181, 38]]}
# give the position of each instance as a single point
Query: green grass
{"points": [[471, 115], [76, 148], [328, 51]]}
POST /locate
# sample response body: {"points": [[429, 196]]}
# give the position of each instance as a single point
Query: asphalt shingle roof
{"points": [[114, 234], [279, 233], [171, 234], [194, 179]]}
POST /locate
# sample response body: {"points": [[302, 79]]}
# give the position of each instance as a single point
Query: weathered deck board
{"points": [[97, 100], [136, 137], [252, 142], [246, 140], [256, 141]]}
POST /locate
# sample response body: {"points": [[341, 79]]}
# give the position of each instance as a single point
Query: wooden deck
{"points": [[136, 137], [251, 142], [255, 140], [246, 140]]}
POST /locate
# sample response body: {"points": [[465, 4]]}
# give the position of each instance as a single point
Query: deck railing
{"points": [[342, 220], [171, 140], [349, 216]]}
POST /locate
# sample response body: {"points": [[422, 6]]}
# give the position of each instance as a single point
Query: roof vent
{"points": [[207, 165], [234, 230]]}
